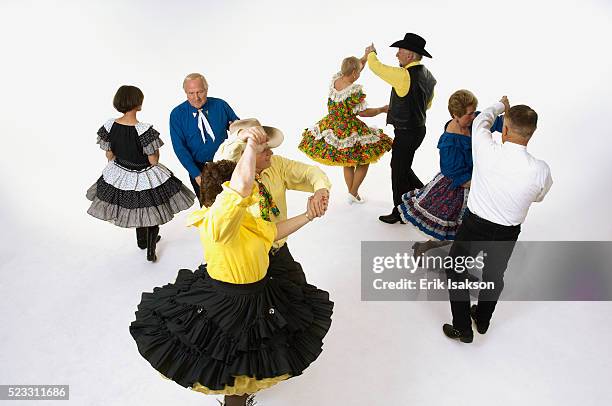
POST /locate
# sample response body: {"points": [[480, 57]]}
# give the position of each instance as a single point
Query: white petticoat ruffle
{"points": [[348, 142], [125, 179]]}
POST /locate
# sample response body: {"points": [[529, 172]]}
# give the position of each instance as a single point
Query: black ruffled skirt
{"points": [[201, 332]]}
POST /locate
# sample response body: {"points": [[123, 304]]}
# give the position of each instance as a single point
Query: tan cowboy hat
{"points": [[232, 150], [275, 136]]}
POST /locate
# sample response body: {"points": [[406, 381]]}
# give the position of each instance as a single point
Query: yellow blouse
{"points": [[235, 243]]}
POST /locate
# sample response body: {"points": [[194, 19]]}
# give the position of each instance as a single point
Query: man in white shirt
{"points": [[506, 179]]}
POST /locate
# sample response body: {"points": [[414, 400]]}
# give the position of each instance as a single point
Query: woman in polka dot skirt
{"points": [[135, 190]]}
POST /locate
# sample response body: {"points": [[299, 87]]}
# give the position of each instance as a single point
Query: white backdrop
{"points": [[70, 282]]}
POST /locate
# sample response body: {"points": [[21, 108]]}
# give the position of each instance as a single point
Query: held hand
{"points": [[256, 138], [320, 201], [384, 109], [506, 103], [310, 210], [242, 135], [313, 208], [198, 180]]}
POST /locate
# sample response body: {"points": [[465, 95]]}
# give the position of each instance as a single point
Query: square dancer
{"points": [[411, 96], [506, 179], [198, 126]]}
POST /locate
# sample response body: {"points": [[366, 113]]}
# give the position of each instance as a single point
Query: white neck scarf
{"points": [[202, 119]]}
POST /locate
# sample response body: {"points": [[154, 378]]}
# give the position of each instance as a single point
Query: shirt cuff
{"points": [[321, 184], [499, 108], [372, 57]]}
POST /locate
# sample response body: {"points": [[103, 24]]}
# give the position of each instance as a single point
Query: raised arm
{"points": [[244, 174], [396, 76], [481, 127]]}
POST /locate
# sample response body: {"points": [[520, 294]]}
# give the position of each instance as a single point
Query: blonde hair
{"points": [[350, 65], [193, 76], [460, 101]]}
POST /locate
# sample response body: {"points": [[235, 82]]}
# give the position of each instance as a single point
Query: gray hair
{"points": [[416, 56], [193, 76]]}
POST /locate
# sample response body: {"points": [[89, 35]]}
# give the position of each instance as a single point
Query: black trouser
{"points": [[194, 184], [475, 235], [403, 178], [282, 265]]}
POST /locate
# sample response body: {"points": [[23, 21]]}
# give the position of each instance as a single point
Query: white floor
{"points": [[69, 295], [69, 284]]}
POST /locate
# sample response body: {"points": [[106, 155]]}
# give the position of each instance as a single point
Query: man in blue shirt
{"points": [[198, 126]]}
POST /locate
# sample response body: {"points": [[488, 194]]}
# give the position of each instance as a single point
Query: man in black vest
{"points": [[411, 95]]}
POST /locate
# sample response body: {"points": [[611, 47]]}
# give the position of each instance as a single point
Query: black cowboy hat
{"points": [[412, 42]]}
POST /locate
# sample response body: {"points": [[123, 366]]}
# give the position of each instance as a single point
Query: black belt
{"points": [[490, 223]]}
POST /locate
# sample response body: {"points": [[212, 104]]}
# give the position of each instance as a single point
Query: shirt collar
{"points": [[193, 109], [514, 146], [413, 63]]}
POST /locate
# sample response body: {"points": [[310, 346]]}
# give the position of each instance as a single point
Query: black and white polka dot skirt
{"points": [[138, 198]]}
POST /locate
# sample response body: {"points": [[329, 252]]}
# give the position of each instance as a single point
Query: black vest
{"points": [[410, 111]]}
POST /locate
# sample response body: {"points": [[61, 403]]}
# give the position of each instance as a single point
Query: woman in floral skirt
{"points": [[437, 208], [341, 138]]}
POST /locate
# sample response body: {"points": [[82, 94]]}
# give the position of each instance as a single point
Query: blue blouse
{"points": [[186, 137], [456, 154]]}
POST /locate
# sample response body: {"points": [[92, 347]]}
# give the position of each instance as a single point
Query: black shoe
{"points": [[391, 218], [452, 332], [480, 327], [152, 238]]}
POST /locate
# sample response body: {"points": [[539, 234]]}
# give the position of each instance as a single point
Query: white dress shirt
{"points": [[506, 178]]}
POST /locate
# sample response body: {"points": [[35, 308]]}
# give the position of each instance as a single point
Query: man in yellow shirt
{"points": [[411, 95], [275, 175]]}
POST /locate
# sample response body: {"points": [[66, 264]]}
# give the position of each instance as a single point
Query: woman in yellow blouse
{"points": [[229, 328]]}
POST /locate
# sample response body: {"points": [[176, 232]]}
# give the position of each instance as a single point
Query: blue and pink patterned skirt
{"points": [[436, 209]]}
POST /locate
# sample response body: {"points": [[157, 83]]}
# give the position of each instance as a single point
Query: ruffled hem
{"points": [[242, 385], [330, 150], [149, 138], [104, 137], [375, 135], [152, 147], [199, 331], [104, 145], [440, 220], [360, 107], [154, 215], [137, 199], [329, 162]]}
